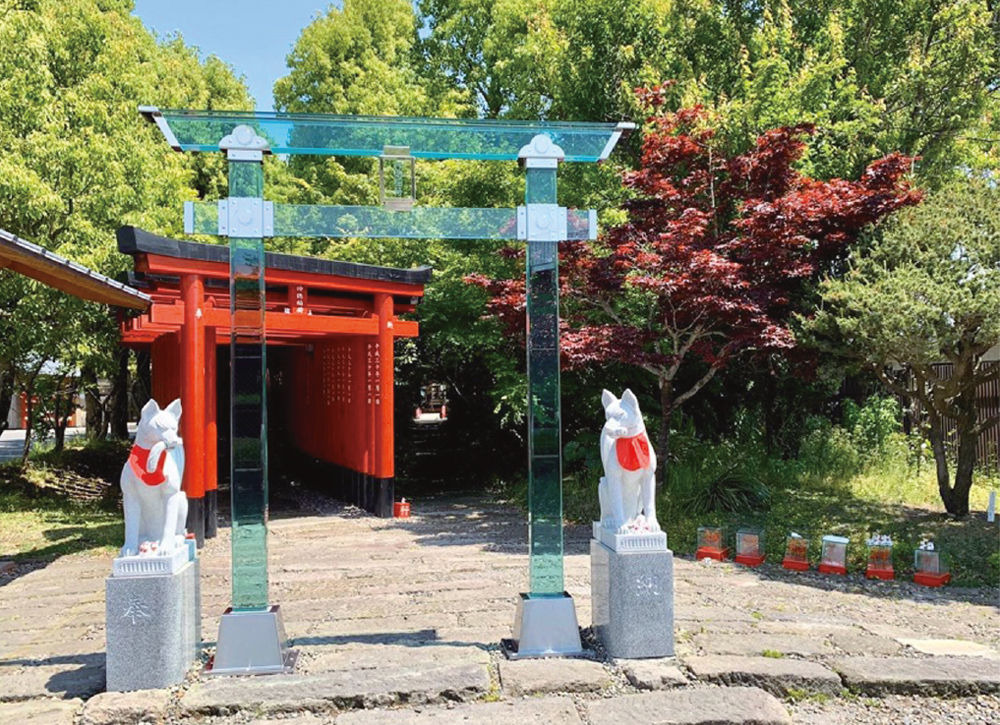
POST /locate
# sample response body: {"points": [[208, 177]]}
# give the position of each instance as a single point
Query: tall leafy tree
{"points": [[926, 291], [357, 60], [78, 161], [712, 259]]}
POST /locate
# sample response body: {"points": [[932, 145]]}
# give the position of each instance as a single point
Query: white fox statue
{"points": [[628, 488], [155, 506]]}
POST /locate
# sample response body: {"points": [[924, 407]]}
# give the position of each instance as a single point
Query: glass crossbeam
{"points": [[426, 138], [373, 222]]}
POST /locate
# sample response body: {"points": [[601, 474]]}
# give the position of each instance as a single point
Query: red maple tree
{"points": [[713, 256]]}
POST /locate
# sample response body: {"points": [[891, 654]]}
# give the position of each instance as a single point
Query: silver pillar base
{"points": [[252, 643], [544, 627]]}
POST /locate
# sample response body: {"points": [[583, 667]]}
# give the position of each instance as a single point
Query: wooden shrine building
{"points": [[330, 328]]}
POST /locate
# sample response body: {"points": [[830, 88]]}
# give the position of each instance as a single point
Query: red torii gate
{"points": [[336, 323]]}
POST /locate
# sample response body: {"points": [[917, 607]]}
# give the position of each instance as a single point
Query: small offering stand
{"points": [[930, 567], [834, 560], [711, 543], [750, 547], [880, 558], [796, 553]]}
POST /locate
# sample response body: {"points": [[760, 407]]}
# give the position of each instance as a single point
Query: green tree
{"points": [[874, 76], [78, 161], [356, 60], [927, 291]]}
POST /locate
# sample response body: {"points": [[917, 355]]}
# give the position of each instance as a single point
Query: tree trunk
{"points": [[60, 430], [119, 397], [666, 414], [92, 396], [968, 435], [29, 406], [936, 434], [963, 473], [6, 396]]}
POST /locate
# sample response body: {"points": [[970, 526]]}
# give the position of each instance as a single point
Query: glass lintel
{"points": [[427, 138], [372, 222]]}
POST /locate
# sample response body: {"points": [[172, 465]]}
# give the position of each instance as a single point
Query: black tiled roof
{"points": [[132, 240]]}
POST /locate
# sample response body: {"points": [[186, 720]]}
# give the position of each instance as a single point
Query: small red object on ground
{"points": [[717, 554], [401, 509], [795, 564], [931, 580], [832, 569], [747, 560], [878, 573]]}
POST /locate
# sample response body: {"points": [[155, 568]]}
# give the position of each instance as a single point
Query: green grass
{"points": [[39, 523], [773, 654], [889, 496], [907, 509], [34, 528]]}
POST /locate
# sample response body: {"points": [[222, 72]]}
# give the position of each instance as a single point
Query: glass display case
{"points": [[834, 557], [930, 566], [796, 553], [879, 557], [712, 543], [750, 549]]}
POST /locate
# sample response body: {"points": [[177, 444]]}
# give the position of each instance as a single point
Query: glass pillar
{"points": [[545, 532], [248, 402]]}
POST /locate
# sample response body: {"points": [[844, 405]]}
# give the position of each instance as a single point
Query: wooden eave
{"points": [[33, 261]]}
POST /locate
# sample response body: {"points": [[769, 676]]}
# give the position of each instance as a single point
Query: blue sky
{"points": [[255, 41]]}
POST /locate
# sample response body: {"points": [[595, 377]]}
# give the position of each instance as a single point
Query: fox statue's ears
{"points": [[149, 410], [628, 397], [175, 409], [607, 398]]}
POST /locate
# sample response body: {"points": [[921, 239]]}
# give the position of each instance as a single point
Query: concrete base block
{"points": [[152, 626], [544, 627], [252, 643], [632, 601]]}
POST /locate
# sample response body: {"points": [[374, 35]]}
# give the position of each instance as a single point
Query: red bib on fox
{"points": [[137, 458], [633, 453]]}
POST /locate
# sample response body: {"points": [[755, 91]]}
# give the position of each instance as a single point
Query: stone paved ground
{"points": [[398, 621]]}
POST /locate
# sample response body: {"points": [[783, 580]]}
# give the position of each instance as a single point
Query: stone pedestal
{"points": [[153, 626], [632, 601]]}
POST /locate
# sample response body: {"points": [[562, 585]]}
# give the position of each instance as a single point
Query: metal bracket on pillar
{"points": [[541, 153], [243, 144], [542, 223], [245, 217]]}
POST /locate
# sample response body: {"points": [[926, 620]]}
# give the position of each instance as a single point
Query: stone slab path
{"points": [[398, 621]]}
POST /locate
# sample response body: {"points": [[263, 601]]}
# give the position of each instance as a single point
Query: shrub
{"points": [[716, 477], [873, 425], [828, 452]]}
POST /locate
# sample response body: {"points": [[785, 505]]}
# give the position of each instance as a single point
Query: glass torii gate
{"points": [[251, 637]]}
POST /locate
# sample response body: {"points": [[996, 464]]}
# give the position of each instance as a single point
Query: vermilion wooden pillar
{"points": [[211, 436], [193, 401], [165, 360], [384, 438]]}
